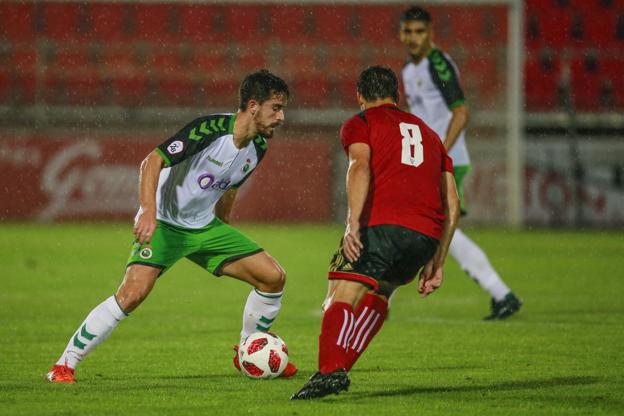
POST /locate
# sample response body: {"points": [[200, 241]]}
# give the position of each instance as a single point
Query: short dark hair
{"points": [[260, 86], [416, 13], [378, 82]]}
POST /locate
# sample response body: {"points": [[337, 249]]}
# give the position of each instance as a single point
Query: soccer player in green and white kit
{"points": [[187, 187], [434, 94]]}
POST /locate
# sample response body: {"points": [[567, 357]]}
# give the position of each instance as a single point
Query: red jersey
{"points": [[407, 163]]}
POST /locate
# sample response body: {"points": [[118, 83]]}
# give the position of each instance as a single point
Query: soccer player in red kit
{"points": [[402, 212]]}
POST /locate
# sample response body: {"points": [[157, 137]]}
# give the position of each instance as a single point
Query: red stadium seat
{"points": [[395, 58], [61, 21], [600, 29], [158, 22], [482, 80], [212, 61], [344, 93], [165, 62], [248, 60], [119, 60], [85, 89], [23, 59], [25, 84], [586, 93], [337, 24], [344, 64], [300, 62], [379, 24], [541, 84], [584, 84], [16, 21], [292, 23], [245, 22], [501, 23], [218, 93], [5, 87], [611, 68], [311, 92], [467, 24], [108, 21], [71, 59], [202, 23], [554, 27], [532, 38], [178, 91], [17, 87], [130, 91]]}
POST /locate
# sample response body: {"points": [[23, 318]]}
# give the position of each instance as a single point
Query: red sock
{"points": [[336, 331], [369, 317]]}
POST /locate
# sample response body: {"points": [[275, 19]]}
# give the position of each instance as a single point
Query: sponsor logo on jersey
{"points": [[216, 162], [222, 185], [207, 181], [175, 147], [146, 253]]}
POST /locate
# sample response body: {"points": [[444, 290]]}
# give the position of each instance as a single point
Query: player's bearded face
{"points": [[270, 115], [416, 36]]}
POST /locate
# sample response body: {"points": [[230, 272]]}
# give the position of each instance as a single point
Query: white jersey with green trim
{"points": [[201, 164], [432, 89]]}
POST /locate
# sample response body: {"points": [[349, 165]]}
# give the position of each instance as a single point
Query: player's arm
{"points": [[458, 122], [224, 206], [358, 179], [446, 79], [432, 275], [149, 174]]}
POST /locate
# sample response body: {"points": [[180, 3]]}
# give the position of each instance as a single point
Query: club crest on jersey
{"points": [[175, 147], [146, 253], [246, 166], [207, 181]]}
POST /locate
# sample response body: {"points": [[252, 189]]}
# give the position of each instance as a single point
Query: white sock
{"points": [[95, 329], [474, 262], [260, 312]]}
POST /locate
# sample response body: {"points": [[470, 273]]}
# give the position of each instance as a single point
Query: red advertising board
{"points": [[64, 178]]}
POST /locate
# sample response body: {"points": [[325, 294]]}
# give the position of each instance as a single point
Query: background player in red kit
{"points": [[403, 209]]}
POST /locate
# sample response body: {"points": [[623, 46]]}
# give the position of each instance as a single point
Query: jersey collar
{"points": [[390, 106], [231, 126]]}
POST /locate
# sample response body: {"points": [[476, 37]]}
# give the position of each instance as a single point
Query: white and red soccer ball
{"points": [[263, 355]]}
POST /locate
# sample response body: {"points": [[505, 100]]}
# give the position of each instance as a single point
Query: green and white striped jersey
{"points": [[432, 90], [201, 164]]}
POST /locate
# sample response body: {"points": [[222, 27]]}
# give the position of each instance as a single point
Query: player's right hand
{"points": [[430, 279], [145, 226]]}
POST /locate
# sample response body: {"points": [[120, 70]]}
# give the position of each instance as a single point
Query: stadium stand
{"points": [[135, 54]]}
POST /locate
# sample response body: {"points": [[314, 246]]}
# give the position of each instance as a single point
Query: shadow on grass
{"points": [[376, 370], [204, 377], [502, 386]]}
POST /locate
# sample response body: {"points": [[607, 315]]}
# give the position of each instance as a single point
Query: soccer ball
{"points": [[263, 355]]}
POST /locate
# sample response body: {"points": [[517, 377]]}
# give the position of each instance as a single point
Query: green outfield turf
{"points": [[561, 355]]}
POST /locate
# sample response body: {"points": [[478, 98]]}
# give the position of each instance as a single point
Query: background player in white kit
{"points": [[434, 94], [187, 188]]}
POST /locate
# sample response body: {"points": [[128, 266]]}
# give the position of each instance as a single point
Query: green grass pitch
{"points": [[561, 355]]}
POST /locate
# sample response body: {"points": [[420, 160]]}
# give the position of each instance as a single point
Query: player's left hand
{"points": [[351, 244], [431, 278]]}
